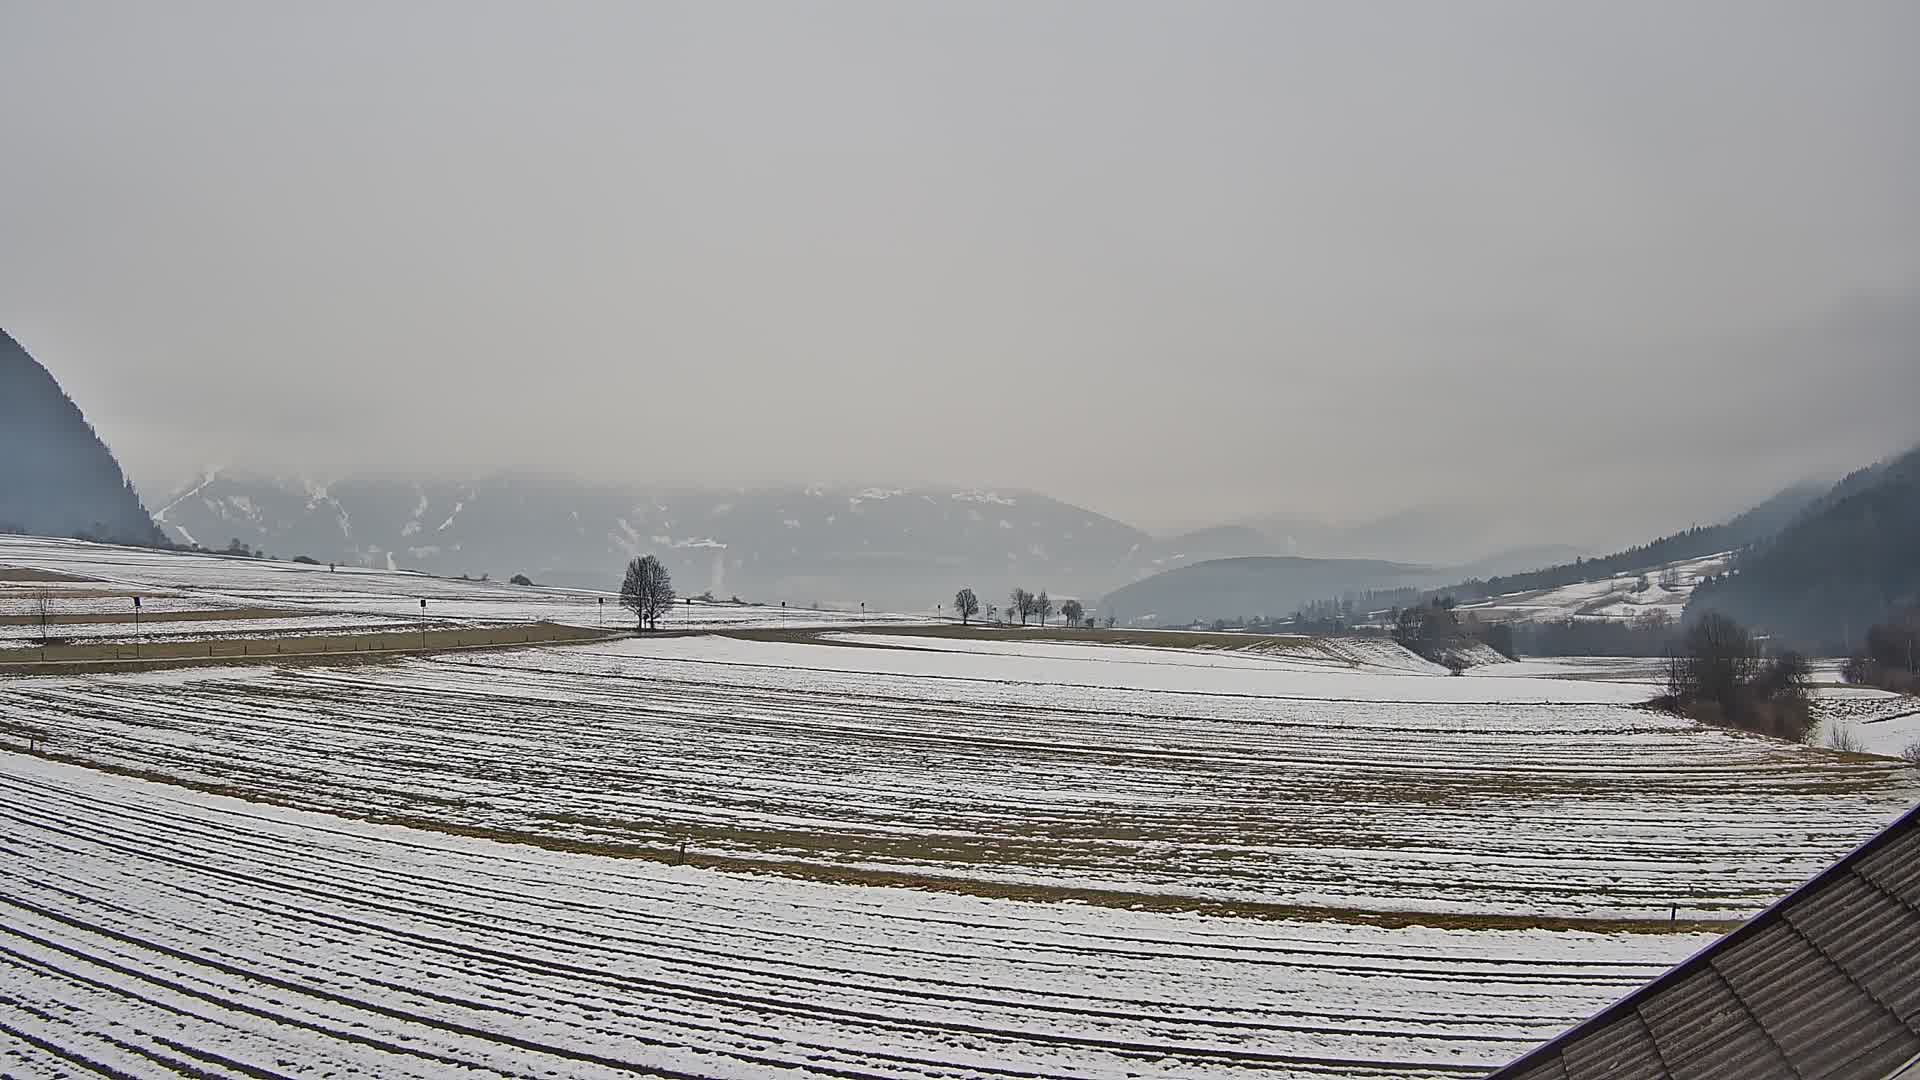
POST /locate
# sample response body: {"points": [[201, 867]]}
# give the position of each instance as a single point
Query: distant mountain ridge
{"points": [[901, 548], [1242, 588], [57, 478]]}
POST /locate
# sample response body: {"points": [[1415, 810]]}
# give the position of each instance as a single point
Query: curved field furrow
{"points": [[148, 929], [1575, 810], [1125, 861], [973, 995]]}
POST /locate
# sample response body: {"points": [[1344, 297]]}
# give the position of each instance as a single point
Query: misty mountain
{"points": [[57, 478], [1460, 535], [1229, 587], [1515, 560], [1754, 524], [1199, 545], [1276, 536], [903, 549], [1848, 559], [1270, 586]]}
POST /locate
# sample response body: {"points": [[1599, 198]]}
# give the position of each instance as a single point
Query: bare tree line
{"points": [[1023, 605]]}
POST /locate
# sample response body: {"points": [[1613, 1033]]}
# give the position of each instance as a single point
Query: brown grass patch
{"points": [[310, 648], [28, 573], [102, 618]]}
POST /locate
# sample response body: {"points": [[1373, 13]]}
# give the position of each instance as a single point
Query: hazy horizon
{"points": [[1591, 273]]}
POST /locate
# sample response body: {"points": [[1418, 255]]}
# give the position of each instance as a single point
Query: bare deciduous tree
{"points": [[1715, 659], [967, 604], [1072, 611], [1043, 606], [1716, 676], [647, 591], [1019, 602]]}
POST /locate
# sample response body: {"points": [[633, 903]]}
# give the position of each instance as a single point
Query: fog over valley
{"points": [[960, 539], [1531, 268]]}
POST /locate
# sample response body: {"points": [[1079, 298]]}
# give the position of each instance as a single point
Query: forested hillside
{"points": [[56, 477], [1756, 524], [1850, 560]]}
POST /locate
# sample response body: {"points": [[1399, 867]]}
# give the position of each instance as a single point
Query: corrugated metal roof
{"points": [[1824, 985]]}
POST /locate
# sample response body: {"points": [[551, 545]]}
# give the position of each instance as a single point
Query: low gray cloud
{"points": [[1593, 269]]}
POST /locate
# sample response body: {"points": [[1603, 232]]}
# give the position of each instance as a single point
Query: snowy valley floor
{"points": [[146, 929], [908, 855]]}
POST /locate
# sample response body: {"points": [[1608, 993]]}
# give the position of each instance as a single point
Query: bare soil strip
{"points": [[103, 618], [305, 648]]}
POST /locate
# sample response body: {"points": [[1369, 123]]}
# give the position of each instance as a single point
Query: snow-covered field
{"points": [[213, 582], [155, 931], [912, 854], [1871, 721], [1177, 777], [1862, 718]]}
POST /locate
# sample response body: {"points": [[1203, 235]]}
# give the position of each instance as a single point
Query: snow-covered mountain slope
{"points": [[905, 549], [1621, 597]]}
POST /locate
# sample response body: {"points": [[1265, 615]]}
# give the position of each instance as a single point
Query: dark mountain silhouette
{"points": [[56, 477], [1848, 560]]}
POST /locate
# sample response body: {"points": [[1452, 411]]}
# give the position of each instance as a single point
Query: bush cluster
{"points": [[1715, 675], [1891, 656]]}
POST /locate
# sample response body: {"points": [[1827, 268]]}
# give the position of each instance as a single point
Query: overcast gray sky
{"points": [[1180, 262]]}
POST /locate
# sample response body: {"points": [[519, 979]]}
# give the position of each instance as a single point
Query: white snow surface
{"points": [[1311, 674], [146, 925], [1147, 799], [1617, 598], [1301, 787], [216, 581], [1870, 721]]}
